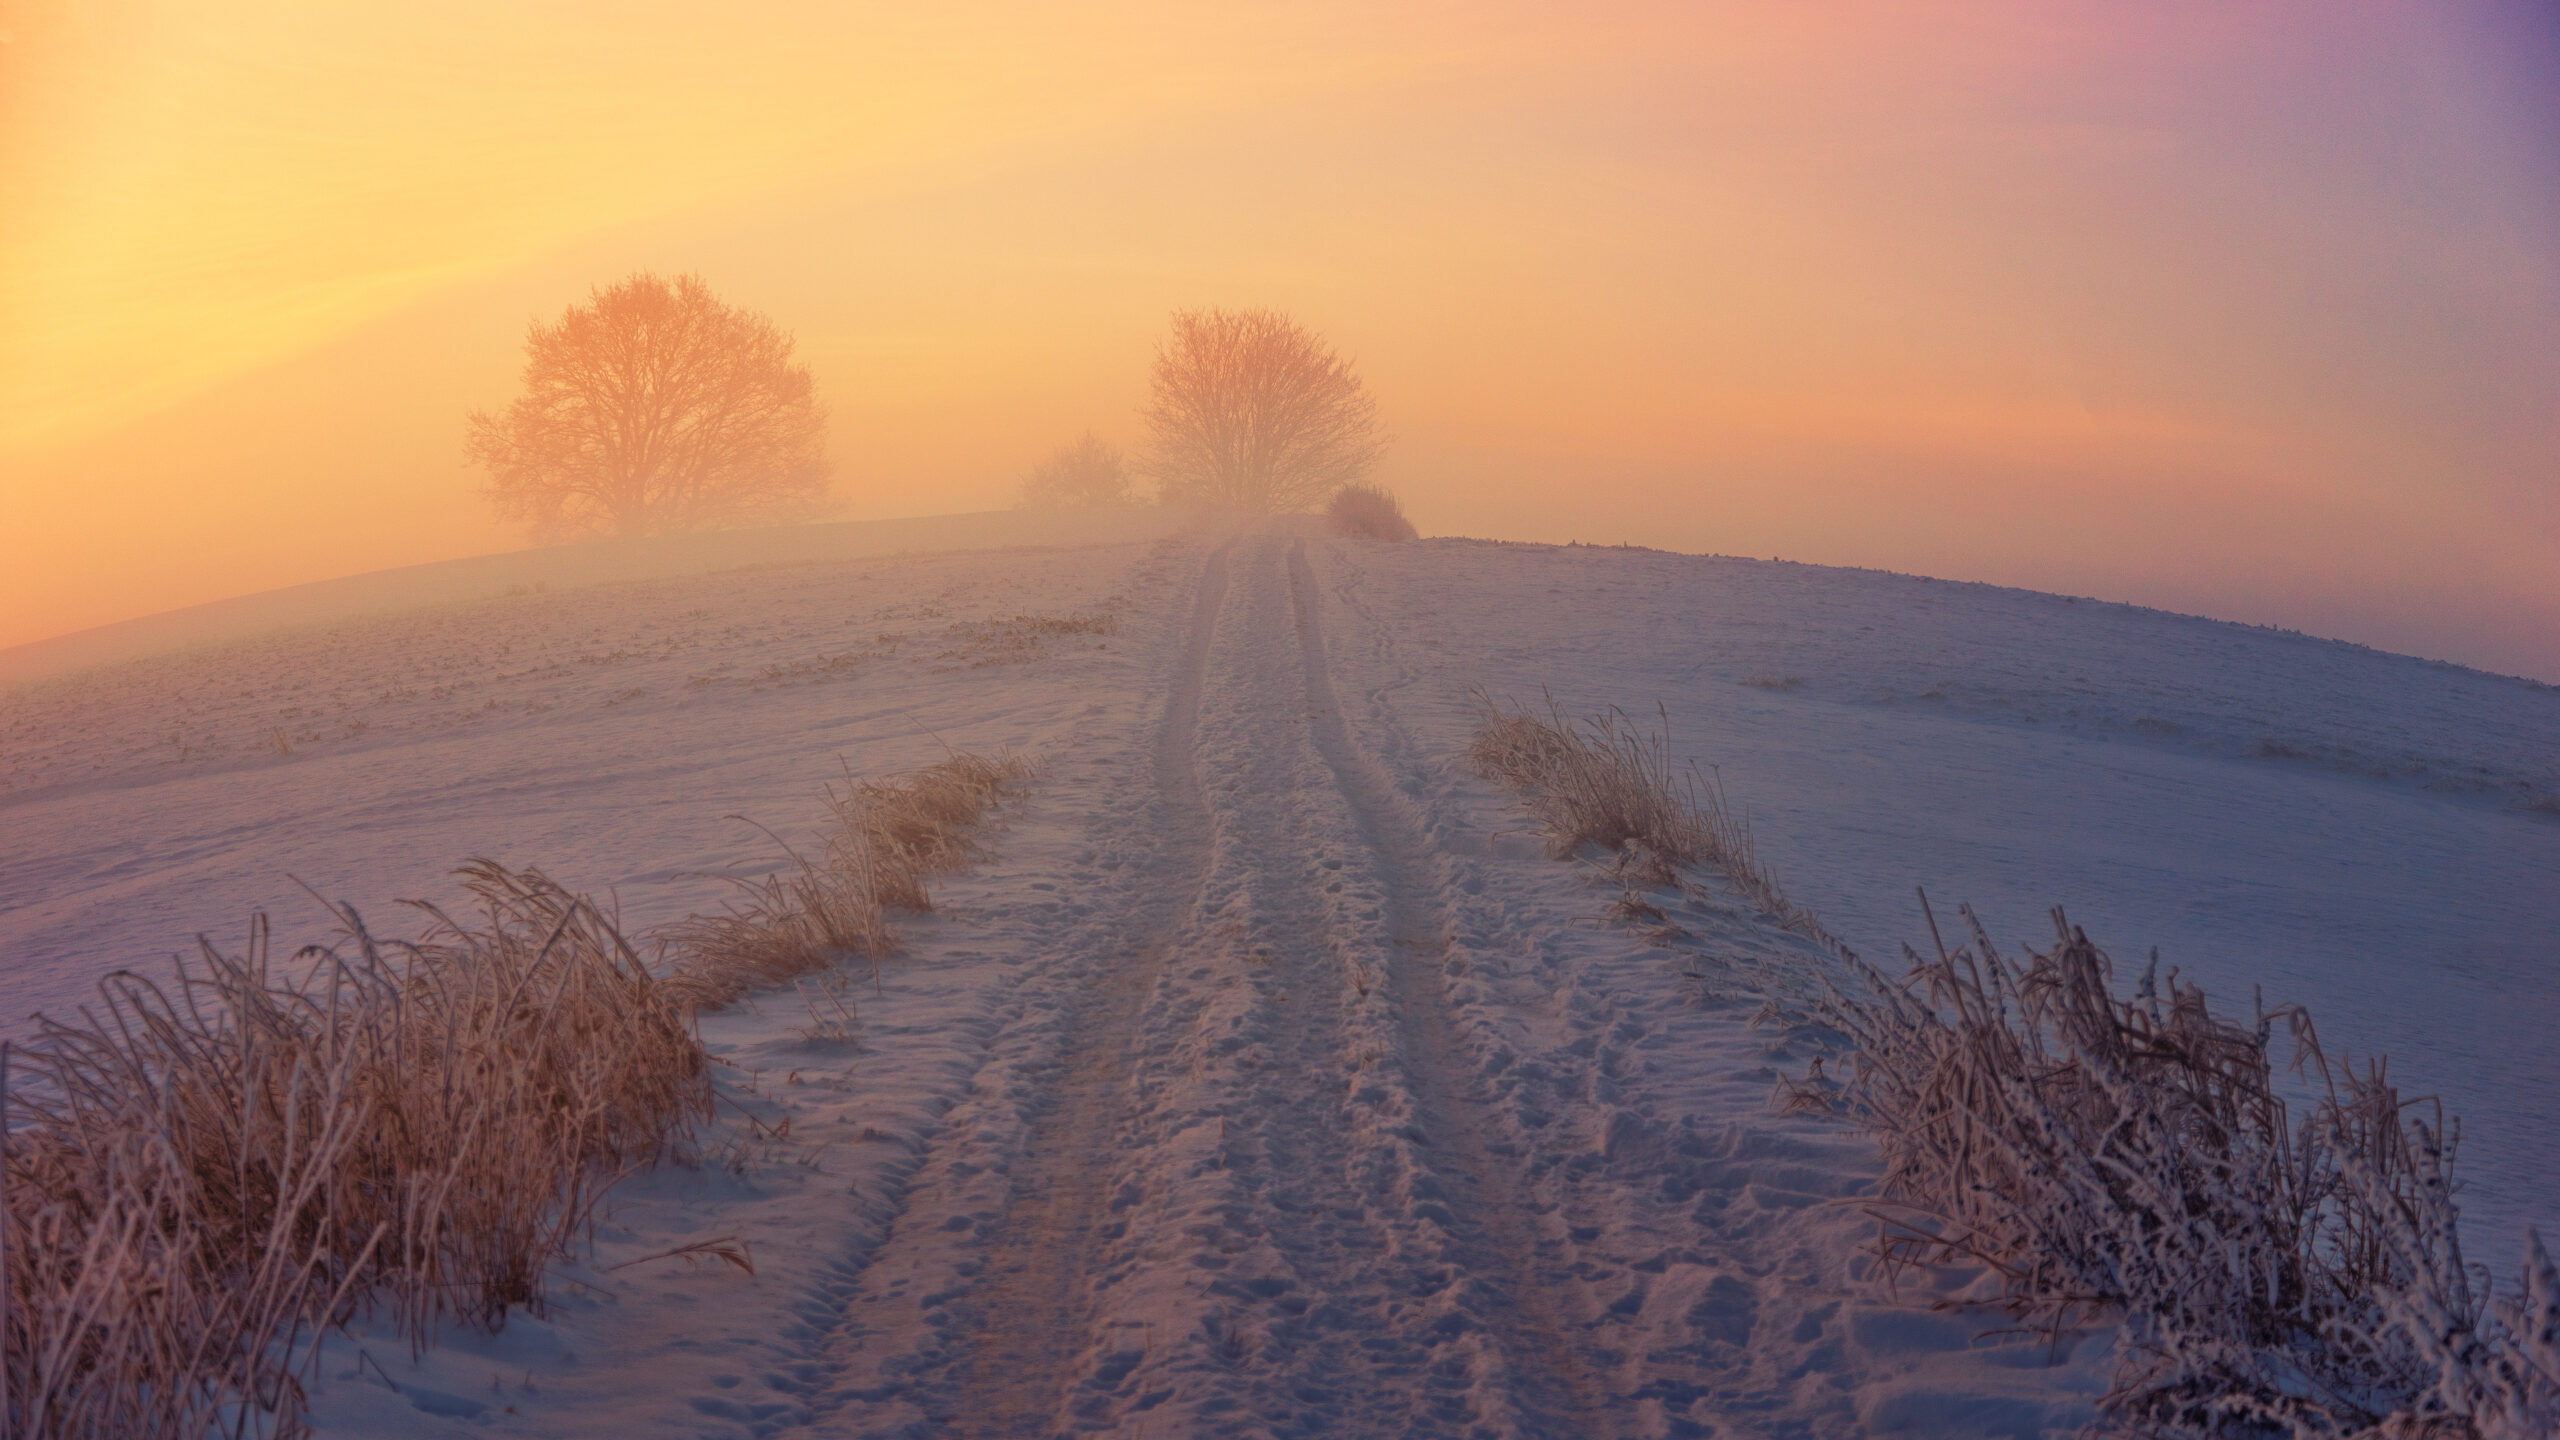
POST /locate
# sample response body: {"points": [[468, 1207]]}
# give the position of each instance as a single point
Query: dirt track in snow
{"points": [[1263, 1080], [1268, 1009]]}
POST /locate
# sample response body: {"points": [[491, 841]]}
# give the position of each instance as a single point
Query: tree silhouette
{"points": [[1252, 410], [1088, 472], [653, 408]]}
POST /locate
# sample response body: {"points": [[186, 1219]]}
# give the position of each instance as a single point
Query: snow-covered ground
{"points": [[1266, 1078], [2371, 836]]}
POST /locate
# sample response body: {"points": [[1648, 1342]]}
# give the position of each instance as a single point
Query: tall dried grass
{"points": [[2278, 1275], [198, 1178], [885, 840], [1605, 781]]}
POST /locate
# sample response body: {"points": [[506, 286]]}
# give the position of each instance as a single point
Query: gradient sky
{"points": [[2243, 309]]}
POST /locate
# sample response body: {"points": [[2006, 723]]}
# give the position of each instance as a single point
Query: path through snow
{"points": [[1265, 1079]]}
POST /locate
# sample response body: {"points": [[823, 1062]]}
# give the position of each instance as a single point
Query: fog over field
{"points": [[1644, 720], [1263, 1073]]}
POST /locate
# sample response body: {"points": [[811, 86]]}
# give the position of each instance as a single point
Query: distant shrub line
{"points": [[2278, 1274]]}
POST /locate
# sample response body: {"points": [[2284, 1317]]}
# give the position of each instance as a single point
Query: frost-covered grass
{"points": [[2111, 1158], [2278, 1272], [885, 840], [204, 1176], [209, 1176], [1608, 783]]}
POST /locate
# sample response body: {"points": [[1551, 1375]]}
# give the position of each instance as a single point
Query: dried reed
{"points": [[2135, 1156], [886, 839], [1609, 783], [201, 1177]]}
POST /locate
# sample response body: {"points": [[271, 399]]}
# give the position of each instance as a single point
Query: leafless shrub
{"points": [[200, 1180], [1088, 473], [1370, 512], [2134, 1156], [887, 838], [1608, 783]]}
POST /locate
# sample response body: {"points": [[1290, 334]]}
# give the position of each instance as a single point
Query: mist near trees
{"points": [[1250, 409], [657, 408], [654, 407], [1089, 472]]}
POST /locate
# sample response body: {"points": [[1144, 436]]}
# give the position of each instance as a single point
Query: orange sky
{"points": [[2242, 310]]}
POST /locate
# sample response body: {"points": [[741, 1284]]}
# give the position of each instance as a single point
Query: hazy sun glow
{"points": [[2244, 311]]}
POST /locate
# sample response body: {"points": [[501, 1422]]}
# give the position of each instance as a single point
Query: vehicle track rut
{"points": [[1253, 1191]]}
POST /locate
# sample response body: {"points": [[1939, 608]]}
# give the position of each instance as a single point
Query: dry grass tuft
{"points": [[925, 824], [202, 1178], [2277, 1276], [1019, 638], [1369, 512], [886, 840], [1605, 782]]}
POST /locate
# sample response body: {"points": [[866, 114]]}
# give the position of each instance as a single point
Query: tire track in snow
{"points": [[1495, 1236], [1251, 1190], [966, 1314], [1036, 1319]]}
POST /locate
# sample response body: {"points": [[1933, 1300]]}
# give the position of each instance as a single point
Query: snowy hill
{"points": [[1266, 1077]]}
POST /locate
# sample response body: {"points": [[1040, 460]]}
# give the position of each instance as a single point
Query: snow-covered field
{"points": [[1266, 1078]]}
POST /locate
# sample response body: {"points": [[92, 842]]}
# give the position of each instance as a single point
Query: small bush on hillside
{"points": [[1369, 512], [1088, 473]]}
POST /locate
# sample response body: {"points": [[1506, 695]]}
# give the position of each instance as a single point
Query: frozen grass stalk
{"points": [[199, 1178], [1609, 783], [2132, 1158], [886, 839]]}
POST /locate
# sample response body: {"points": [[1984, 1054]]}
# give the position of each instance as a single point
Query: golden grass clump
{"points": [[886, 839], [2133, 1157], [1368, 512], [1606, 782], [201, 1177], [1012, 640]]}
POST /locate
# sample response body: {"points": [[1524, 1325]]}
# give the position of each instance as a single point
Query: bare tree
{"points": [[1251, 409], [1089, 472], [654, 407]]}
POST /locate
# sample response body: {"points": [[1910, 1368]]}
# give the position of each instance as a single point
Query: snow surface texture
{"points": [[2362, 833], [1267, 1078]]}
